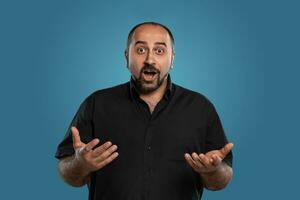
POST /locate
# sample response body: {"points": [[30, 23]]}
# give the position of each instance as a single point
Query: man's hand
{"points": [[91, 159], [209, 162]]}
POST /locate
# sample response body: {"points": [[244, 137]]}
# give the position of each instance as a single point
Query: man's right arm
{"points": [[76, 169]]}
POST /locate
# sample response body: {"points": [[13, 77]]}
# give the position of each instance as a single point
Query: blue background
{"points": [[243, 55]]}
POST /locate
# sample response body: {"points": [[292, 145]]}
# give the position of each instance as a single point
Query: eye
{"points": [[140, 50], [159, 51]]}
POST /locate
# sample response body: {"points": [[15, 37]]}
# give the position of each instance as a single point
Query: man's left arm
{"points": [[214, 172]]}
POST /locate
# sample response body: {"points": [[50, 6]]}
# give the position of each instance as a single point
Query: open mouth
{"points": [[149, 75]]}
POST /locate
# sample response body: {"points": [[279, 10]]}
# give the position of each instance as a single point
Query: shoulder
{"points": [[193, 96], [111, 92], [105, 96], [196, 101]]}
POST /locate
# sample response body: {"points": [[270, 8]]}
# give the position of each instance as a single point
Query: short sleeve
{"points": [[215, 136], [83, 121]]}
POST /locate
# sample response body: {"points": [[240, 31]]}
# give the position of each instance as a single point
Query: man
{"points": [[148, 138]]}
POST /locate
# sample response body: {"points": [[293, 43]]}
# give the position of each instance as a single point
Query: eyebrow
{"points": [[156, 43]]}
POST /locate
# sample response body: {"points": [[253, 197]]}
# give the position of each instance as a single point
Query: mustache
{"points": [[149, 68]]}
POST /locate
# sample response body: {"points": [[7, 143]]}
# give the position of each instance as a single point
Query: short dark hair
{"points": [[129, 38]]}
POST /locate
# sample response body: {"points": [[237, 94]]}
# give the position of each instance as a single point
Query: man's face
{"points": [[149, 57]]}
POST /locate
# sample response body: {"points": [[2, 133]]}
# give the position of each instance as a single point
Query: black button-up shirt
{"points": [[151, 146]]}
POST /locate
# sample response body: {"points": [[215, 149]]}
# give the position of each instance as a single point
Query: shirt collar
{"points": [[168, 92]]}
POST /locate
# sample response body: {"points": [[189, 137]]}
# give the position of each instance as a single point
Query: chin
{"points": [[148, 90]]}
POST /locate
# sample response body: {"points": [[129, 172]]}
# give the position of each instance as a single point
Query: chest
{"points": [[168, 135]]}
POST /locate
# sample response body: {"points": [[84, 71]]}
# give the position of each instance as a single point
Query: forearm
{"points": [[218, 179], [72, 172]]}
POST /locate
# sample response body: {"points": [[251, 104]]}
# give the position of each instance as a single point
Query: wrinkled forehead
{"points": [[151, 34]]}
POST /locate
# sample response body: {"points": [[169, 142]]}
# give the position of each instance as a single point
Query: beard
{"points": [[149, 79]]}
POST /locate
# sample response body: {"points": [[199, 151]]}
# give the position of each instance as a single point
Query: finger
{"points": [[226, 149], [216, 160], [108, 160], [205, 160], [89, 146], [99, 150], [76, 137], [106, 153], [198, 161], [190, 161]]}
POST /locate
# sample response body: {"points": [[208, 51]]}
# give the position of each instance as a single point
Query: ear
{"points": [[172, 59], [126, 56]]}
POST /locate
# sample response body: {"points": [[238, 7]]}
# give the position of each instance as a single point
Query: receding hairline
{"points": [[132, 31]]}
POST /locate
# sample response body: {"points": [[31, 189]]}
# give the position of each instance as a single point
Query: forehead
{"points": [[151, 34]]}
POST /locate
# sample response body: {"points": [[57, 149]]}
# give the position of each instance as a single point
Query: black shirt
{"points": [[151, 147]]}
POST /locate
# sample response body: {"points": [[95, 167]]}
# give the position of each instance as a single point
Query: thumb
{"points": [[76, 137], [226, 149]]}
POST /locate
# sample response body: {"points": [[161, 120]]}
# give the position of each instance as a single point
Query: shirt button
{"points": [[149, 148]]}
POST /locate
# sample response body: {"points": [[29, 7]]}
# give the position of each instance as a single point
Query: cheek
{"points": [[134, 67], [166, 64], [135, 61]]}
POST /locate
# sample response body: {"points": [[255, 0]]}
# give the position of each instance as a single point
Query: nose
{"points": [[150, 59]]}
